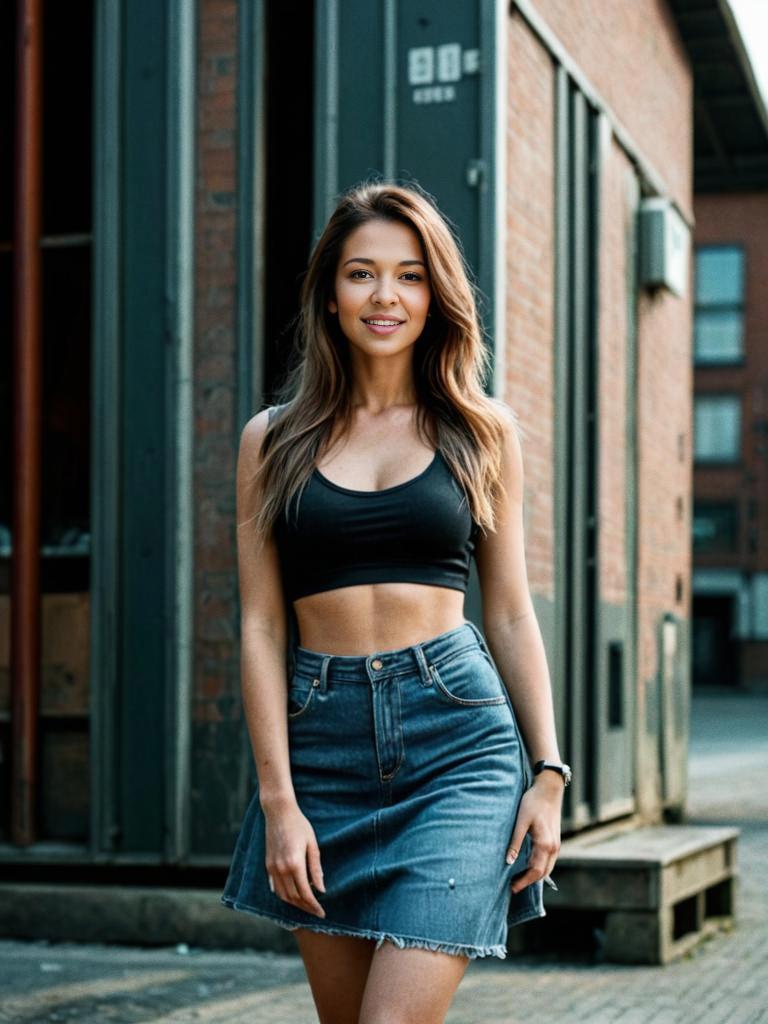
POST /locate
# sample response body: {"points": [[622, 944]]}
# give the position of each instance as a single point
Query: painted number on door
{"points": [[434, 69]]}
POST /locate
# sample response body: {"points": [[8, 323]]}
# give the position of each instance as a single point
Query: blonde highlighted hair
{"points": [[450, 363]]}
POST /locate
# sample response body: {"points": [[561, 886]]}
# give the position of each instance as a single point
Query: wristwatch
{"points": [[564, 769]]}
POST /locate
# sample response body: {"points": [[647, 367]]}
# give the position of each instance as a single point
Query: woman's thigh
{"points": [[337, 970], [412, 985]]}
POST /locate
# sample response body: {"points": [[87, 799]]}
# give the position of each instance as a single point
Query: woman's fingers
{"points": [[543, 852], [292, 885], [531, 875], [315, 867], [294, 844], [516, 842], [537, 868]]}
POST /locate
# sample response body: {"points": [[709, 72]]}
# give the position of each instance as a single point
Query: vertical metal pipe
{"points": [[27, 281]]}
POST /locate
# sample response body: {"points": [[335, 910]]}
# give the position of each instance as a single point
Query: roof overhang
{"points": [[730, 117]]}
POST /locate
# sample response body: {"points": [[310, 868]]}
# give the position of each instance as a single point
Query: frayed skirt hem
{"points": [[401, 941]]}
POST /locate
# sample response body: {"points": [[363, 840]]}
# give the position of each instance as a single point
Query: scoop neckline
{"points": [[384, 490]]}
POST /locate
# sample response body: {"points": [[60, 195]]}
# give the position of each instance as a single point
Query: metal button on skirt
{"points": [[410, 766]]}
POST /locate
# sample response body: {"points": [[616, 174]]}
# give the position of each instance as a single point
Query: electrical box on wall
{"points": [[664, 246]]}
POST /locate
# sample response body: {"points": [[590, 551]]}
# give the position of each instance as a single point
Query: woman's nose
{"points": [[385, 292]]}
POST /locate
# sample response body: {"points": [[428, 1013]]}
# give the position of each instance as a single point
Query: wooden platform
{"points": [[662, 887]]}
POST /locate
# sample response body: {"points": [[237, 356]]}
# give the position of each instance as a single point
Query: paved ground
{"points": [[723, 981]]}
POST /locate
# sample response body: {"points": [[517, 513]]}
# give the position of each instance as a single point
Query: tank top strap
{"points": [[272, 412]]}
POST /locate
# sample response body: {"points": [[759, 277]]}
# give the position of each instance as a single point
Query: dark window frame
{"points": [[724, 543], [719, 460], [721, 307]]}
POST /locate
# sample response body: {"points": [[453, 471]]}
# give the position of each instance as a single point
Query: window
{"points": [[716, 428], [715, 526], [719, 310]]}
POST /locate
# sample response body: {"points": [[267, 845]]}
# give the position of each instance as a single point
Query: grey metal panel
{"points": [[437, 142], [373, 119], [326, 97], [105, 417], [614, 706], [179, 514], [582, 735], [360, 70], [562, 480], [142, 428], [145, 439], [631, 666], [617, 625], [591, 677], [491, 197], [250, 210], [674, 708]]}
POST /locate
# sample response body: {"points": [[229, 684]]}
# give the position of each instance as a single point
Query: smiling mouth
{"points": [[378, 322]]}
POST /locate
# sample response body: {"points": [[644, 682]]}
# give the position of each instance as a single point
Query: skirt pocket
{"points": [[301, 690], [468, 679]]}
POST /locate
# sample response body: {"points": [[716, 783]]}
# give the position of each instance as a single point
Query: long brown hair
{"points": [[450, 362]]}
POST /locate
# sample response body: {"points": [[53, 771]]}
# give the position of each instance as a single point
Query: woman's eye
{"points": [[409, 274]]}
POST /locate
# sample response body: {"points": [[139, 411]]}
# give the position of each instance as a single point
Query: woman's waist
{"points": [[386, 660], [357, 621]]}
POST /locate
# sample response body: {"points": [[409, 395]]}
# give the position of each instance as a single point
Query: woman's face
{"points": [[382, 276]]}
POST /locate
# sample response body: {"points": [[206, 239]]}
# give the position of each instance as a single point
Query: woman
{"points": [[392, 775]]}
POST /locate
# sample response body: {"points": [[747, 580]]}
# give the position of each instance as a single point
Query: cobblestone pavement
{"points": [[722, 981]]}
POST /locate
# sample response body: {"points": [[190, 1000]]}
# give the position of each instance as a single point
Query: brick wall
{"points": [[742, 219], [632, 55], [529, 384], [216, 690]]}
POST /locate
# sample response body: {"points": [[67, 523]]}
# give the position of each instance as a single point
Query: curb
{"points": [[133, 915]]}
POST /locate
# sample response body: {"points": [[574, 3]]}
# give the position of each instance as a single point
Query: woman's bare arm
{"points": [[514, 638], [293, 860], [263, 631]]}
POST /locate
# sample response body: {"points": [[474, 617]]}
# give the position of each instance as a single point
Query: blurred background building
{"points": [[730, 521], [159, 197]]}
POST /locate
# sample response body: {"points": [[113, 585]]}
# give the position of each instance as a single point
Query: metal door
{"points": [[408, 91], [594, 639]]}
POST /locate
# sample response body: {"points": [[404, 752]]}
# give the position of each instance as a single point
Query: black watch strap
{"points": [[561, 768]]}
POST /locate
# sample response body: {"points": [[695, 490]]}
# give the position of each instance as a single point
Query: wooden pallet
{"points": [[662, 888]]}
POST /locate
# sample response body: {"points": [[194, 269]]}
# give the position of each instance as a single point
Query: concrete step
{"points": [[661, 888], [133, 915]]}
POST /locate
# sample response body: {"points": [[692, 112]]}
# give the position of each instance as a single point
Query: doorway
{"points": [[289, 152], [715, 648], [61, 741]]}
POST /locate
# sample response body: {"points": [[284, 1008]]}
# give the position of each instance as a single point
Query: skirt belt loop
{"points": [[421, 661], [324, 672]]}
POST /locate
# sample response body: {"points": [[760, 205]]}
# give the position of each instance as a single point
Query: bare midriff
{"points": [[363, 619]]}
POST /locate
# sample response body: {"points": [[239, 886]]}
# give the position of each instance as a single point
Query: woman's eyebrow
{"points": [[362, 259]]}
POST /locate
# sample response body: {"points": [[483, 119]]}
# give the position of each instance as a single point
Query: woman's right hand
{"points": [[291, 848]]}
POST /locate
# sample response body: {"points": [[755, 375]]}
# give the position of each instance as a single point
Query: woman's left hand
{"points": [[540, 811]]}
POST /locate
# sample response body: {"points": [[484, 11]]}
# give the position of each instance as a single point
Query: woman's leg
{"points": [[410, 986], [337, 970]]}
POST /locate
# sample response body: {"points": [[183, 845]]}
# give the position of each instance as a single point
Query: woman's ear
{"points": [[332, 307]]}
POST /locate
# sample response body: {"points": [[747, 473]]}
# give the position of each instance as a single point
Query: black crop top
{"points": [[414, 532]]}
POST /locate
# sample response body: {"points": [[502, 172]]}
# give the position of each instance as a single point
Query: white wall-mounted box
{"points": [[665, 243]]}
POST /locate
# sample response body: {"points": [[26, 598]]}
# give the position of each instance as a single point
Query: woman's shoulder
{"points": [[255, 429]]}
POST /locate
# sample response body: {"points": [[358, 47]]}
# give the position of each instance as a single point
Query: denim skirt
{"points": [[410, 766]]}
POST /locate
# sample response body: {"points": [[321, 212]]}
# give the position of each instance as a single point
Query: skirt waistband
{"points": [[366, 667]]}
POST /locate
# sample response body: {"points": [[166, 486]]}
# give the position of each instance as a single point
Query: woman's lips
{"points": [[381, 328]]}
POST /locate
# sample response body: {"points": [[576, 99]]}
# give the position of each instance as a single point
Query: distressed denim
{"points": [[410, 766]]}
